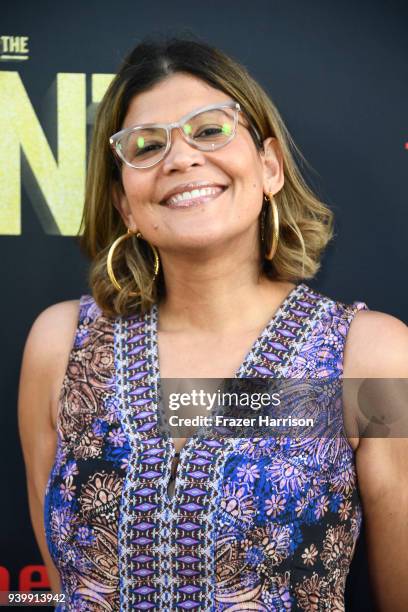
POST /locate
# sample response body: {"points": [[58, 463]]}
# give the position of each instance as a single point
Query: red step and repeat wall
{"points": [[337, 72]]}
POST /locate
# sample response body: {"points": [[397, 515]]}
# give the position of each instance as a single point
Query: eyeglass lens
{"points": [[207, 131]]}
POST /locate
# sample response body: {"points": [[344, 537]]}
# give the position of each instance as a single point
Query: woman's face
{"points": [[246, 174]]}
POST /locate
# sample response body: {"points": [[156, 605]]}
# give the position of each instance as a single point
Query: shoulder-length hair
{"points": [[306, 223]]}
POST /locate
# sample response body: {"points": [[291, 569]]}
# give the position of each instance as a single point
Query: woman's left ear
{"points": [[272, 160]]}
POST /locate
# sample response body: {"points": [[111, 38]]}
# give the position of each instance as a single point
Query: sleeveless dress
{"points": [[259, 524]]}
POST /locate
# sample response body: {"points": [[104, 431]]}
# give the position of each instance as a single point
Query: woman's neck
{"points": [[216, 300]]}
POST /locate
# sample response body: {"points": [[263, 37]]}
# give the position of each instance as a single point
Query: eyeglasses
{"points": [[207, 129]]}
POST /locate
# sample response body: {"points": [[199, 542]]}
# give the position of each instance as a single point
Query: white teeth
{"points": [[196, 193]]}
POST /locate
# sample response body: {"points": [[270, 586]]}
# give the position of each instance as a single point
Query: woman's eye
{"points": [[148, 148], [210, 131]]}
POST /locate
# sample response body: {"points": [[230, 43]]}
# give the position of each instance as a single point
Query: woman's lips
{"points": [[193, 202]]}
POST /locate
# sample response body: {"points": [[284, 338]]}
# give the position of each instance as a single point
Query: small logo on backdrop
{"points": [[13, 48]]}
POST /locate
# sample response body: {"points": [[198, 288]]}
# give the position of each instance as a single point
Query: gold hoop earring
{"points": [[109, 260], [275, 227]]}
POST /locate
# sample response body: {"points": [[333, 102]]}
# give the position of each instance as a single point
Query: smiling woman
{"points": [[201, 233], [195, 106]]}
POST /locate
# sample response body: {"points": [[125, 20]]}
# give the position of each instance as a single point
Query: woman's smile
{"points": [[192, 199]]}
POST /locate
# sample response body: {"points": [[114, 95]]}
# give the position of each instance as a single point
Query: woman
{"points": [[201, 233]]}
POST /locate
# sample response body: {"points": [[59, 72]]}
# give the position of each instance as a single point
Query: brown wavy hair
{"points": [[306, 223]]}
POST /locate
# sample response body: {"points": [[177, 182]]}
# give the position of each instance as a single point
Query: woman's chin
{"points": [[196, 243]]}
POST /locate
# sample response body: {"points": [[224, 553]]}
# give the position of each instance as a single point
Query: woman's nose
{"points": [[181, 154]]}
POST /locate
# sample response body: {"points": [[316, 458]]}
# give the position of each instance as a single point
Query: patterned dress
{"points": [[265, 524]]}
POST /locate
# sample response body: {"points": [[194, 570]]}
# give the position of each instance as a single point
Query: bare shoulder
{"points": [[57, 314], [376, 346], [375, 354], [52, 333], [47, 349]]}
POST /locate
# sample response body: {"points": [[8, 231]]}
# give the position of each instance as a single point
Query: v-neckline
{"points": [[250, 357], [252, 353]]}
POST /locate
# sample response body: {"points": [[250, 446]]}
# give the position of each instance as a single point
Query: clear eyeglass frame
{"points": [[115, 140]]}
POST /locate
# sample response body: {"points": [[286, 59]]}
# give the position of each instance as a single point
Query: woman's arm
{"points": [[43, 367], [377, 348]]}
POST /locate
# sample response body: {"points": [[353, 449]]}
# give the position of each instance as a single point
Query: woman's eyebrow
{"points": [[196, 109], [155, 121], [192, 111]]}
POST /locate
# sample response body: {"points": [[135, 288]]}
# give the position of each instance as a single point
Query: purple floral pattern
{"points": [[253, 524]]}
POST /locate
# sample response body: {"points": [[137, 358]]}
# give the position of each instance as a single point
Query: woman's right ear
{"points": [[120, 201]]}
